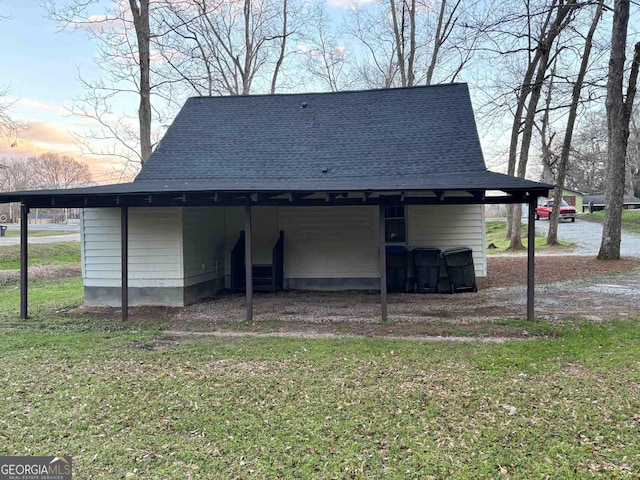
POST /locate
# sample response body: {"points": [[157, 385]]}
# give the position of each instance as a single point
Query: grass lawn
{"points": [[139, 405], [57, 253], [630, 219], [41, 233], [46, 297], [496, 230], [126, 401]]}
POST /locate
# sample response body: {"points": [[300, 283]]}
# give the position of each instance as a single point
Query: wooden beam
{"points": [[383, 259], [531, 250], [124, 256], [478, 194], [308, 199], [248, 261], [24, 261]]}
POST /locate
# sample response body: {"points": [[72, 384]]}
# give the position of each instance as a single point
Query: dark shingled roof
{"points": [[601, 199], [314, 140], [404, 139]]}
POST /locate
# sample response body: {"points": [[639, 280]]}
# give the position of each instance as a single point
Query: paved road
{"points": [[587, 237], [73, 237]]}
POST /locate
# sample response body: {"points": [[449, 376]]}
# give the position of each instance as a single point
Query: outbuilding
{"points": [[296, 191]]}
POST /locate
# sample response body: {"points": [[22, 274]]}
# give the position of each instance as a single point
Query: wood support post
{"points": [[248, 260], [24, 261], [124, 252], [383, 259], [531, 250]]}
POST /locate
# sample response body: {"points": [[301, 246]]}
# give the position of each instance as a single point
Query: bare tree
{"points": [[46, 171], [632, 175], [587, 161], [552, 235], [10, 128], [549, 156], [16, 175], [447, 19], [222, 47], [619, 109], [123, 37], [558, 17], [326, 58], [140, 13], [54, 171], [401, 15], [410, 42]]}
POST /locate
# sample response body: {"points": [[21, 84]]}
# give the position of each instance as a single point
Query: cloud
{"points": [[30, 104], [42, 137], [47, 134]]}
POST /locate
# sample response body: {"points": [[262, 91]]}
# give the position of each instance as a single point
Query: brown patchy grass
{"points": [[140, 405], [491, 312], [512, 270]]}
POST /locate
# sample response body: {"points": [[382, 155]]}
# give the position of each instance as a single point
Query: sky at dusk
{"points": [[41, 66]]}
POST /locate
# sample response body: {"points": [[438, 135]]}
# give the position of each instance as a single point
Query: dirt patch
{"points": [[155, 344], [509, 271], [498, 309], [41, 272]]}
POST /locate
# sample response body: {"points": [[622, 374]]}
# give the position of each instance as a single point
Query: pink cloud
{"points": [[42, 137]]}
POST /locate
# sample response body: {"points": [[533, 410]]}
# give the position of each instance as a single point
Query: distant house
{"points": [[572, 197], [299, 191], [595, 203]]}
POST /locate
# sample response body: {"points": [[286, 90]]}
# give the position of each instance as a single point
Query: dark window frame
{"points": [[395, 219]]}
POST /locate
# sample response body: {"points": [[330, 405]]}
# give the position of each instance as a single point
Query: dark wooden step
{"points": [[262, 279]]}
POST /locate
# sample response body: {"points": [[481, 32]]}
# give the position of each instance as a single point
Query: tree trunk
{"points": [[527, 134], [524, 91], [546, 138], [411, 74], [143, 33], [618, 116], [283, 47], [543, 53], [552, 235]]}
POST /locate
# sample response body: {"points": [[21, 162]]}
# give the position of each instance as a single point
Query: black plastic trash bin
{"points": [[426, 269], [397, 265], [3, 230], [460, 270]]}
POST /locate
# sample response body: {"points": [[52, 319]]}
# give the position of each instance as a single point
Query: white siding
{"points": [[330, 242], [264, 233], [155, 247], [446, 226], [203, 241], [173, 247]]}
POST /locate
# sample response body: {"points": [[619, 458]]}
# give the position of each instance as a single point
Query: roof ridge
{"points": [[339, 92]]}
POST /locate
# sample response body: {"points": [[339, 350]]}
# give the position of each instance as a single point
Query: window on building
{"points": [[395, 224]]}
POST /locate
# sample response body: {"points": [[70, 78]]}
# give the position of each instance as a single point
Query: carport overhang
{"points": [[478, 189]]}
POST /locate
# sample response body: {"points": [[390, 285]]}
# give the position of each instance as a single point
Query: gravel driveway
{"points": [[587, 237]]}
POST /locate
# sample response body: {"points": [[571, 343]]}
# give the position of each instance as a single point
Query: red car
{"points": [[566, 211]]}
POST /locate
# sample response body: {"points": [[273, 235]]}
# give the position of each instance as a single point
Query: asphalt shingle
{"points": [[374, 134]]}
